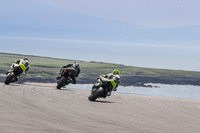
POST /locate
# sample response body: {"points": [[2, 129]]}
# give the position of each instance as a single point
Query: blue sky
{"points": [[150, 13], [87, 25]]}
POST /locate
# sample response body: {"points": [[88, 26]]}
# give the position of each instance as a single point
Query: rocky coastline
{"points": [[140, 81]]}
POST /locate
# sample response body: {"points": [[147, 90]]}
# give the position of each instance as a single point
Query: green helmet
{"points": [[116, 72]]}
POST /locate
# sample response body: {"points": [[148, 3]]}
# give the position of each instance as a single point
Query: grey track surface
{"points": [[44, 109]]}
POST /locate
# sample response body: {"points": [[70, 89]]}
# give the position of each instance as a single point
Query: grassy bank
{"points": [[49, 67]]}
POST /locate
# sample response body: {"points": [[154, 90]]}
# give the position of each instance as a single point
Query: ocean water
{"points": [[164, 90], [169, 56]]}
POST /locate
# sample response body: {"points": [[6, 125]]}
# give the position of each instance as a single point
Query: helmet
{"points": [[26, 58], [75, 64], [116, 72]]}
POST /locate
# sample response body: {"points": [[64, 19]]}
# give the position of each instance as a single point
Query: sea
{"points": [[163, 90]]}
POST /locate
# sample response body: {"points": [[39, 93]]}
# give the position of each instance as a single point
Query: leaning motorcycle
{"points": [[99, 90], [64, 78], [16, 71]]}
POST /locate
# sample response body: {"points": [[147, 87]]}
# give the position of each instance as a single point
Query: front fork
{"points": [[96, 86]]}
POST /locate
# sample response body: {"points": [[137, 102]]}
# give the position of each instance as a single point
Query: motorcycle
{"points": [[99, 90], [16, 71], [64, 78]]}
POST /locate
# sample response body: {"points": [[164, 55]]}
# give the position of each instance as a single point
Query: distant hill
{"points": [[44, 69], [52, 22]]}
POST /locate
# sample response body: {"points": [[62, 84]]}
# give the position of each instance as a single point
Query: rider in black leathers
{"points": [[75, 70]]}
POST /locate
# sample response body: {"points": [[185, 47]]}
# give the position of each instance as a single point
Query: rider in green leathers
{"points": [[113, 79], [24, 64]]}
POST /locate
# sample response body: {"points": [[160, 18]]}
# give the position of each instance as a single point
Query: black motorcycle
{"points": [[64, 78], [16, 71], [99, 90]]}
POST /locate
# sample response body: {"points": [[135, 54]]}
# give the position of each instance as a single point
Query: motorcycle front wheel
{"points": [[96, 95], [61, 83], [9, 78]]}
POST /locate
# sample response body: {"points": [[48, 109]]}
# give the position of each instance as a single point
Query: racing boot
{"points": [[15, 80], [108, 93], [71, 81]]}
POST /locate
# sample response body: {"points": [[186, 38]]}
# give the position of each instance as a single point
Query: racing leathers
{"points": [[113, 81], [21, 62]]}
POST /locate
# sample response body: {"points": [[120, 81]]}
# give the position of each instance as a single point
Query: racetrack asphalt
{"points": [[27, 108]]}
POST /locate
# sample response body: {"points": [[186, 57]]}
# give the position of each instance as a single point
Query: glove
{"points": [[24, 73], [114, 89], [102, 79], [101, 75]]}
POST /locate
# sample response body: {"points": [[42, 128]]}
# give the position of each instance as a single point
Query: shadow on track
{"points": [[64, 89], [102, 101]]}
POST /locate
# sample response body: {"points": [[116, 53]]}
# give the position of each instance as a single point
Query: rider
{"points": [[75, 70], [24, 64], [113, 79]]}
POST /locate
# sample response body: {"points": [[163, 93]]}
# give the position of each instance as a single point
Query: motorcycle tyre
{"points": [[61, 83], [95, 95], [9, 78]]}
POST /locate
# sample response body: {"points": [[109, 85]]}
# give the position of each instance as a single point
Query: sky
{"points": [[149, 13]]}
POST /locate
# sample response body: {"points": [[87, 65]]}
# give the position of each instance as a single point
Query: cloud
{"points": [[154, 13]]}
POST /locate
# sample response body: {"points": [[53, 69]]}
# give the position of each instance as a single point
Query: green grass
{"points": [[49, 67]]}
